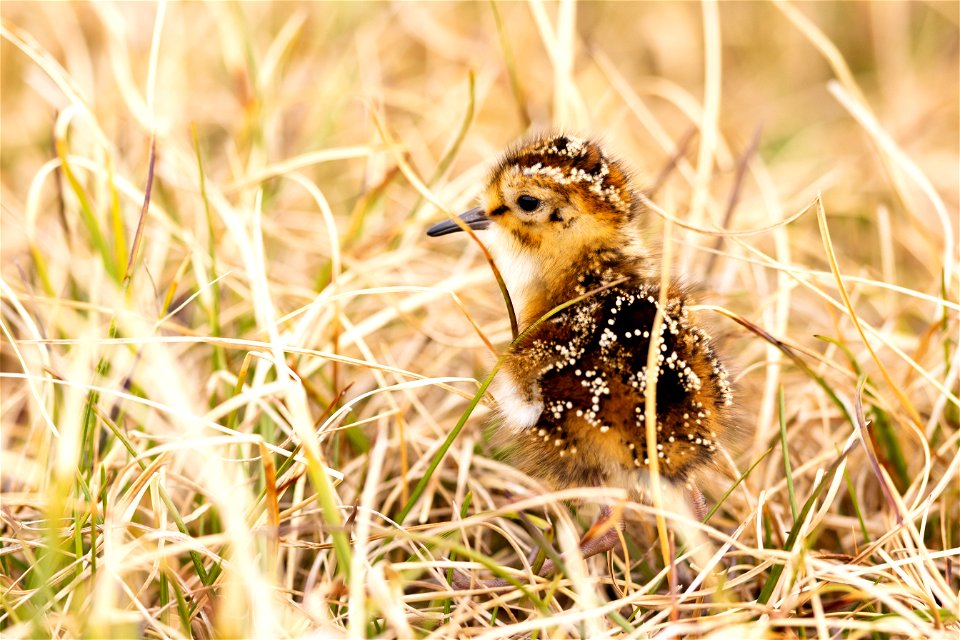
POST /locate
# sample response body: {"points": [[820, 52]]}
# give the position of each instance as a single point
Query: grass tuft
{"points": [[243, 394]]}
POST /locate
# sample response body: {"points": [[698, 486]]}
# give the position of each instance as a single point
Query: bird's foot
{"points": [[600, 538]]}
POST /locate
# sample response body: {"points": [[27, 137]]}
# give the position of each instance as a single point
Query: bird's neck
{"points": [[540, 281], [568, 278]]}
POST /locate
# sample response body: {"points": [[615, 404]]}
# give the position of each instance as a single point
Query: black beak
{"points": [[474, 218]]}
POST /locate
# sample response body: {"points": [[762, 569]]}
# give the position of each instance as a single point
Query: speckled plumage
{"points": [[586, 368], [571, 392]]}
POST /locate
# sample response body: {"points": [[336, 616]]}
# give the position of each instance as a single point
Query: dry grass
{"points": [[229, 427]]}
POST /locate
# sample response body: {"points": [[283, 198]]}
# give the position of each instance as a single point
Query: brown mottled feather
{"points": [[587, 366]]}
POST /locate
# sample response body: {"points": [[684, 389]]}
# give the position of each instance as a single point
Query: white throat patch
{"points": [[517, 267]]}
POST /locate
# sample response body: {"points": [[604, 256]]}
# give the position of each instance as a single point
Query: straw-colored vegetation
{"points": [[235, 371]]}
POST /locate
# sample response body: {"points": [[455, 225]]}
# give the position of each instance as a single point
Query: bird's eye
{"points": [[528, 203]]}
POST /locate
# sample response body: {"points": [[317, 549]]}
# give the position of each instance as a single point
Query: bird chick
{"points": [[562, 221]]}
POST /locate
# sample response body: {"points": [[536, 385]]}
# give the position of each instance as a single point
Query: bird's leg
{"points": [[601, 537], [698, 504]]}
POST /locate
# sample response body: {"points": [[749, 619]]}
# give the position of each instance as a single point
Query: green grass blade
{"points": [[777, 570], [787, 470]]}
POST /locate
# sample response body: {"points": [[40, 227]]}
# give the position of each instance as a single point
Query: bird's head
{"points": [[554, 209], [553, 196]]}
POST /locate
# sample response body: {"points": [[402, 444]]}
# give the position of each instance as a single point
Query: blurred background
{"points": [[155, 410]]}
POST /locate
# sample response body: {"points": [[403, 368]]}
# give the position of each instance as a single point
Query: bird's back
{"points": [[586, 368]]}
